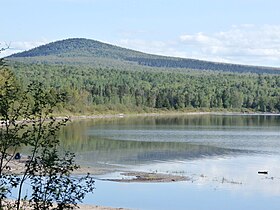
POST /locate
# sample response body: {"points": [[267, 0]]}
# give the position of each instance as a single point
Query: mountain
{"points": [[81, 48], [79, 51]]}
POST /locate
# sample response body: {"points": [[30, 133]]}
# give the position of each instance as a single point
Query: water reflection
{"points": [[129, 152], [179, 196], [143, 139], [221, 154]]}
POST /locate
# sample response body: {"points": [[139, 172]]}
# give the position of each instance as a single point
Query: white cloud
{"points": [[143, 45], [199, 38], [19, 46], [245, 44]]}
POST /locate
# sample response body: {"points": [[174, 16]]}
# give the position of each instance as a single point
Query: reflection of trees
{"points": [[104, 150], [76, 132], [219, 120], [76, 138]]}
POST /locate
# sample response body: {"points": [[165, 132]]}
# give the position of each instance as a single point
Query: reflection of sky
{"points": [[242, 169], [248, 190], [222, 158], [177, 196]]}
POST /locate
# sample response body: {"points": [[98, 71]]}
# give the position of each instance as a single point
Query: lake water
{"points": [[222, 155]]}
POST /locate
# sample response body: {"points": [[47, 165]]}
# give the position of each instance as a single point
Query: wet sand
{"points": [[17, 167], [144, 177]]}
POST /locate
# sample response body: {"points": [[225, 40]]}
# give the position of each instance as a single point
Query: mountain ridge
{"points": [[92, 52], [60, 47]]}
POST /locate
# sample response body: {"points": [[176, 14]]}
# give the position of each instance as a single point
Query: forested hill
{"points": [[110, 79], [97, 54], [79, 47]]}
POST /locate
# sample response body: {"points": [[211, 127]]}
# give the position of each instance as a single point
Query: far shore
{"points": [[121, 115], [155, 114]]}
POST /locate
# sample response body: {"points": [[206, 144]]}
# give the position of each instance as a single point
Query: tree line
{"points": [[166, 62], [86, 87]]}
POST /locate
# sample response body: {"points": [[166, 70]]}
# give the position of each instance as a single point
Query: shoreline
{"points": [[80, 206], [93, 207], [153, 114], [128, 176], [122, 115]]}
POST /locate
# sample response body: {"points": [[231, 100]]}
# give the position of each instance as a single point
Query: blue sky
{"points": [[238, 31]]}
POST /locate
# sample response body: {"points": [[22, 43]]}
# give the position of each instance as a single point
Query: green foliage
{"points": [[118, 79], [26, 120], [88, 88]]}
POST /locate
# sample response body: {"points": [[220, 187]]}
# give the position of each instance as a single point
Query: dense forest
{"points": [[89, 89], [100, 78]]}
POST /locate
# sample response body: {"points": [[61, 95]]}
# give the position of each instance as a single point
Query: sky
{"points": [[234, 31]]}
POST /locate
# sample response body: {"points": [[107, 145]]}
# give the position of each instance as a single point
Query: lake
{"points": [[221, 154]]}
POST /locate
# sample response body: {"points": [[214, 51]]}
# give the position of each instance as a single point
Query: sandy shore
{"points": [[80, 207], [144, 177], [17, 167], [120, 115], [171, 113], [89, 207]]}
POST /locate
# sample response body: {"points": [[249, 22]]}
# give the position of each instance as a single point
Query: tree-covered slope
{"points": [[81, 48], [89, 89], [97, 54]]}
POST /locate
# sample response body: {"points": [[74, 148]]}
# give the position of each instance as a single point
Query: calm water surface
{"points": [[220, 153]]}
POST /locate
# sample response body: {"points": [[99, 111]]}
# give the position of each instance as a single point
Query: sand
{"points": [[89, 207]]}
